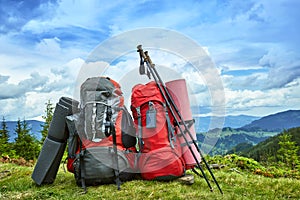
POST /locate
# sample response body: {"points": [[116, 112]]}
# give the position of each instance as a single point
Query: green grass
{"points": [[16, 183]]}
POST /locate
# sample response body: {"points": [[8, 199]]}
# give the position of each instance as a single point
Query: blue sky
{"points": [[254, 45]]}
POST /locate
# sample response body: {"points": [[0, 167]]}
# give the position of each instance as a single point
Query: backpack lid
{"points": [[144, 93], [98, 88]]}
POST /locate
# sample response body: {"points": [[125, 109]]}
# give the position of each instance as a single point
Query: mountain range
{"points": [[271, 123], [238, 124], [202, 123], [275, 122]]}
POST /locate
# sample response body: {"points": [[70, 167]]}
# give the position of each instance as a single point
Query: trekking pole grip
{"points": [[149, 59], [141, 51], [145, 55]]}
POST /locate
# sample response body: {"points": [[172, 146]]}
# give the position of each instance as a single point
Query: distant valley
{"points": [[202, 124], [253, 133]]}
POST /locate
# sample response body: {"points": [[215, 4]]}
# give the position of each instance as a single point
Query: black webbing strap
{"points": [[189, 124], [171, 134], [112, 131], [82, 169], [140, 132], [191, 142], [56, 139], [117, 170]]}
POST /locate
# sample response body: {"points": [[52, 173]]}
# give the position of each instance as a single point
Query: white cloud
{"points": [[284, 67], [15, 14], [54, 39], [30, 106], [49, 47], [27, 98], [8, 91], [255, 102], [12, 109]]}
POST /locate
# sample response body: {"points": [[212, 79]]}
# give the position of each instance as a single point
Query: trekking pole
{"points": [[181, 119], [150, 65]]}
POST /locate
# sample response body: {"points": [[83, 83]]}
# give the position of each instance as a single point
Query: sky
{"points": [[252, 47]]}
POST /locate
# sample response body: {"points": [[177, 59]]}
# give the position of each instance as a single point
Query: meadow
{"points": [[236, 183]]}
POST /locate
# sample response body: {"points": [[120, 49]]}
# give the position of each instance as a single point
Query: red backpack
{"points": [[159, 155]]}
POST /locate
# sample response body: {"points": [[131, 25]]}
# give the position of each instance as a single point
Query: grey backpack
{"points": [[101, 144]]}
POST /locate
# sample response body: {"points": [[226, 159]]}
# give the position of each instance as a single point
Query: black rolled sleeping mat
{"points": [[48, 162], [71, 104], [54, 145], [58, 130]]}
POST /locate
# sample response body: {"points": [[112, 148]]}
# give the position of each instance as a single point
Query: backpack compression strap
{"points": [[82, 169], [140, 133], [171, 134], [112, 131], [189, 124]]}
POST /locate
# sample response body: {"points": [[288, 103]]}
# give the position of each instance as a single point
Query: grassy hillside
{"points": [[268, 148], [228, 138], [237, 182]]}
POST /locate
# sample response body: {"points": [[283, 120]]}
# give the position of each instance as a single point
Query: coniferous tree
{"points": [[25, 146], [4, 138], [48, 118], [19, 140], [288, 152]]}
